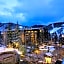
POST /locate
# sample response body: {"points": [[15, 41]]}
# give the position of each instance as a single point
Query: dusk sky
{"points": [[31, 12]]}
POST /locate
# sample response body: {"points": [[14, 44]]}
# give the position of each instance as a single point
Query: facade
{"points": [[31, 36], [10, 33], [10, 37], [36, 34], [4, 37]]}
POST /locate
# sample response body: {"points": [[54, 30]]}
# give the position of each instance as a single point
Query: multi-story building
{"points": [[10, 33], [27, 35], [32, 35]]}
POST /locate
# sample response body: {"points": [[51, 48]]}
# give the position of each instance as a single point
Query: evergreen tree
{"points": [[41, 36], [55, 37], [22, 49], [0, 36], [45, 34]]}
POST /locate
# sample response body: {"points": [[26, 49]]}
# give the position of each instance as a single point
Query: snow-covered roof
{"points": [[49, 54], [62, 46], [51, 48]]}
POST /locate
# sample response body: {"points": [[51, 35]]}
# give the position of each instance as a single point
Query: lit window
{"points": [[40, 30], [31, 31], [35, 31], [28, 31], [48, 60]]}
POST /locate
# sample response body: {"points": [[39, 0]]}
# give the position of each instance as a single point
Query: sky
{"points": [[31, 12]]}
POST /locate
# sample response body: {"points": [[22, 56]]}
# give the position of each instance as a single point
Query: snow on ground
{"points": [[62, 46], [49, 54], [54, 30], [51, 48]]}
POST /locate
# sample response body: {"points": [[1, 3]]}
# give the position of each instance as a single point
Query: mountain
{"points": [[5, 26], [56, 27], [37, 26]]}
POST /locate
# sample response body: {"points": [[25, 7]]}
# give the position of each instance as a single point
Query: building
{"points": [[32, 35], [36, 34], [10, 33]]}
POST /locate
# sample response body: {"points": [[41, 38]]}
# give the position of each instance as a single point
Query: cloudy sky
{"points": [[31, 12]]}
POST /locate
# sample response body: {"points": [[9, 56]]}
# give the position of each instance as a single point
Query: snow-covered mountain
{"points": [[56, 27], [5, 26]]}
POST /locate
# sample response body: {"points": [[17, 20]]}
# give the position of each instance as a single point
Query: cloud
{"points": [[42, 8], [32, 11], [7, 10], [21, 16], [4, 13], [35, 6], [8, 3], [7, 6]]}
